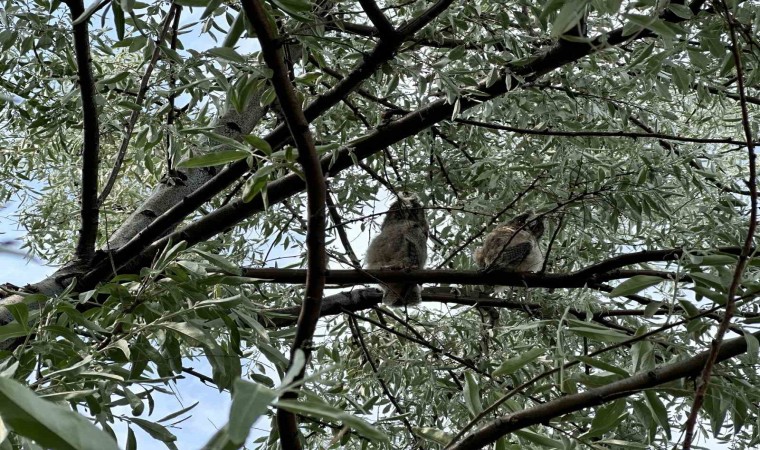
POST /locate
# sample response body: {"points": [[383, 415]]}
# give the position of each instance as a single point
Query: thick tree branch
{"points": [[90, 211], [316, 191], [384, 27]]}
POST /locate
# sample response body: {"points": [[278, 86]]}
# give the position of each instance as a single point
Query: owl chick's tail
{"points": [[402, 294]]}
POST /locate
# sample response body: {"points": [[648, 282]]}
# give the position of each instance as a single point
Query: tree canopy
{"points": [[206, 177]]}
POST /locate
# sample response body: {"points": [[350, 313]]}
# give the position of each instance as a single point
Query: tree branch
{"points": [[384, 27], [598, 273], [139, 101], [715, 346], [316, 191], [593, 397], [593, 133], [90, 211]]}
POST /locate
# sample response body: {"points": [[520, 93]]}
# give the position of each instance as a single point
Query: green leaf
{"points": [[543, 441], [322, 410], [658, 410], [226, 53], [472, 395], [594, 331], [603, 365], [155, 430], [568, 17], [298, 9], [258, 143], [512, 365], [89, 12], [191, 2], [214, 159], [249, 401], [635, 284], [50, 425], [236, 30], [190, 331], [606, 417], [433, 434]]}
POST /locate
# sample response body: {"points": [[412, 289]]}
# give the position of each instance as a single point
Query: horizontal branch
{"points": [[601, 133], [597, 273]]}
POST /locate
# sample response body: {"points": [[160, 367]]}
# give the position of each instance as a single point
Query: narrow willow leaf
{"points": [[513, 364], [249, 402], [635, 284], [50, 425], [472, 395], [433, 434], [214, 159]]}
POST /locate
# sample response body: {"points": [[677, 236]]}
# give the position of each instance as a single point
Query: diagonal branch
{"points": [[316, 191], [91, 133], [384, 27], [600, 133], [382, 53], [139, 101], [598, 396], [545, 61], [747, 250]]}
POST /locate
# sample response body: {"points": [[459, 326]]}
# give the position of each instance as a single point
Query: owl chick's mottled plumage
{"points": [[401, 244], [513, 245]]}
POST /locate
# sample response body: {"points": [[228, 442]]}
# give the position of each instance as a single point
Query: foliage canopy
{"points": [[626, 125]]}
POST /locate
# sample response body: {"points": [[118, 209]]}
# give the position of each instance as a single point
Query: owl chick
{"points": [[513, 245], [401, 244]]}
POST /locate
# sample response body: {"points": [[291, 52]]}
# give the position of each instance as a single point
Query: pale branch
{"points": [[132, 121], [89, 211], [316, 191], [747, 248], [364, 299]]}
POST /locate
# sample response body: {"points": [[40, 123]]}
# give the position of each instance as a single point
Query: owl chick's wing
{"points": [[513, 255]]}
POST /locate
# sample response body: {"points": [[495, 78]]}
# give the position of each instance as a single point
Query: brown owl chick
{"points": [[401, 244], [513, 245]]}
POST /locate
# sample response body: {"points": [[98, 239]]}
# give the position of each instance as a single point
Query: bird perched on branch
{"points": [[513, 245], [401, 244]]}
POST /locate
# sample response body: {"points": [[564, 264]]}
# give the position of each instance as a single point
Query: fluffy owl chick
{"points": [[513, 245], [401, 244]]}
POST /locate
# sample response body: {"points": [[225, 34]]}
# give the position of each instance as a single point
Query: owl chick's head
{"points": [[528, 221], [407, 207]]}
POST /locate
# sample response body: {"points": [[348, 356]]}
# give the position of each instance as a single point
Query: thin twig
{"points": [[704, 378], [354, 326], [121, 154]]}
